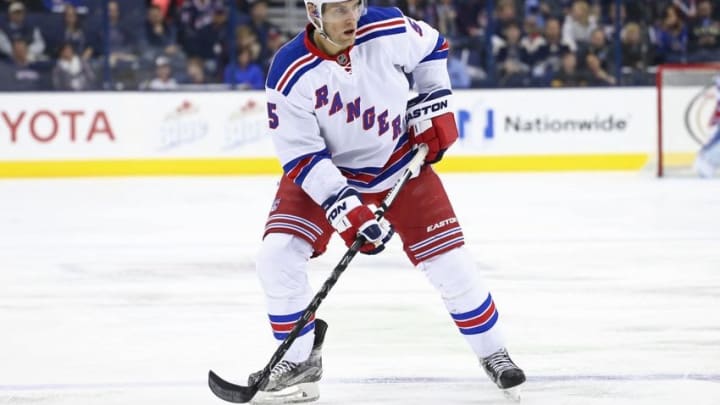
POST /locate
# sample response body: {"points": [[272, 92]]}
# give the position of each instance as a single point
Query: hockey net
{"points": [[686, 100]]}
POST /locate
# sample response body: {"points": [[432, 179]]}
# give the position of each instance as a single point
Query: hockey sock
{"points": [[469, 302], [281, 267]]}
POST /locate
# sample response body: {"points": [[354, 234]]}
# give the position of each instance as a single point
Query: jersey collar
{"points": [[342, 59]]}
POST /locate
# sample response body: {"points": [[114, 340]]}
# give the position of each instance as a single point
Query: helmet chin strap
{"points": [[321, 31], [327, 38]]}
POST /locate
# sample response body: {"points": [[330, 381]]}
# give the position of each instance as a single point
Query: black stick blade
{"points": [[230, 392]]}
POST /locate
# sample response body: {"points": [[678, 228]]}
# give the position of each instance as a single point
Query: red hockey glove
{"points": [[431, 122], [350, 218]]}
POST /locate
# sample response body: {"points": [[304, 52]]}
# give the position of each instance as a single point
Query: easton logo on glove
{"points": [[336, 210], [427, 110], [431, 122]]}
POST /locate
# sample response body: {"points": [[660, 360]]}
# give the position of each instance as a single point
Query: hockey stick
{"points": [[241, 394]]}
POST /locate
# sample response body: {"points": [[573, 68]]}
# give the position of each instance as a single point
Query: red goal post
{"points": [[685, 101]]}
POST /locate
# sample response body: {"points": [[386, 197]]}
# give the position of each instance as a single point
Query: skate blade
{"points": [[306, 392], [512, 394]]}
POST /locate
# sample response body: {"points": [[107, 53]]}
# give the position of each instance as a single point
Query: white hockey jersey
{"points": [[338, 121]]}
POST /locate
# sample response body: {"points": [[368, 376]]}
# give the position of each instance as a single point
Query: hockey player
{"points": [[344, 131], [708, 159]]}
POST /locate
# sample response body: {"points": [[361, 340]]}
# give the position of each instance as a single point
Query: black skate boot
{"points": [[503, 372], [294, 382]]}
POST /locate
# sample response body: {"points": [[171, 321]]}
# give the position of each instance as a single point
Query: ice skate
{"points": [[294, 382], [504, 373]]}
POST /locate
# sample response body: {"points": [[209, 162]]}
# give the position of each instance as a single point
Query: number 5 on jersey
{"points": [[273, 120]]}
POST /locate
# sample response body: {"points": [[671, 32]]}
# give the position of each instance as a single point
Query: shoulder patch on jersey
{"points": [[378, 22], [289, 64]]}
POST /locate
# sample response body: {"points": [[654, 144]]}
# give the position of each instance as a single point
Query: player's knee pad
{"points": [[281, 265], [453, 273]]}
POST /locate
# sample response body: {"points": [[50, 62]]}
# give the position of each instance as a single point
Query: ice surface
{"points": [[126, 291]]}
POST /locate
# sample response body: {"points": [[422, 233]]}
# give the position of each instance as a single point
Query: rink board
{"points": [[221, 133], [251, 166]]}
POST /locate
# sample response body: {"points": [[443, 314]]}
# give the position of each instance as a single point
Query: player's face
{"points": [[340, 21]]}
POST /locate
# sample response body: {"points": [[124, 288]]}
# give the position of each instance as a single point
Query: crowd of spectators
{"points": [[198, 44], [563, 43]]}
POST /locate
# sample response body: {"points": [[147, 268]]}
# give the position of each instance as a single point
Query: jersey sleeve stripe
{"points": [[293, 169], [379, 33], [440, 52], [304, 172], [298, 168], [380, 25]]}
